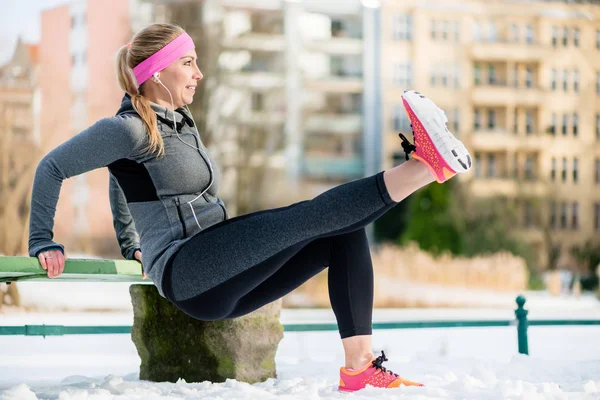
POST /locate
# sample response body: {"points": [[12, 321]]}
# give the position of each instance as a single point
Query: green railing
{"points": [[520, 322]]}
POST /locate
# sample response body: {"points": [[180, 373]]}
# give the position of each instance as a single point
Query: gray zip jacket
{"points": [[157, 203]]}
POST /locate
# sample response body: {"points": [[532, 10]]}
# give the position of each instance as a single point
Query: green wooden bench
{"points": [[172, 345], [14, 269]]}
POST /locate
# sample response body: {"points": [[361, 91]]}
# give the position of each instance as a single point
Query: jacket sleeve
{"points": [[106, 141], [127, 236]]}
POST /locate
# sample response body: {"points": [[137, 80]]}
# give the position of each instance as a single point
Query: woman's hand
{"points": [[138, 256], [52, 261]]}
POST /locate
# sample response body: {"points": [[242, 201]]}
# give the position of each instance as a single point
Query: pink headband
{"points": [[163, 58]]}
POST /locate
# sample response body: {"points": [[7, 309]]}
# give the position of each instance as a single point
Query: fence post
{"points": [[521, 314]]}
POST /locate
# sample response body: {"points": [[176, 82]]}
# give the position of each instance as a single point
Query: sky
{"points": [[21, 18]]}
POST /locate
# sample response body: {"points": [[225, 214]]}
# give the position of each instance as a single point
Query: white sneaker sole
{"points": [[434, 121]]}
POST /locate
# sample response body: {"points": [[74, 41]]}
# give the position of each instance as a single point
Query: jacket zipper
{"points": [[181, 221]]}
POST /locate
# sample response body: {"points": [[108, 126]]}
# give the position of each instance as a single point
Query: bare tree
{"points": [[19, 155]]}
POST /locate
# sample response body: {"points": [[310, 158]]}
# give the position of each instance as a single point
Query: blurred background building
{"points": [[299, 96], [519, 81]]}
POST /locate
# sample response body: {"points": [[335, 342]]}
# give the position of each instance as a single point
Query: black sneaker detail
{"points": [[407, 146], [377, 363]]}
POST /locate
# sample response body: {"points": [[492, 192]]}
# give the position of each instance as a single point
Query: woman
{"points": [[164, 186]]}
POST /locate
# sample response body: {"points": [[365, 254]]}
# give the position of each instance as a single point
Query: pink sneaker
{"points": [[434, 145], [373, 374]]}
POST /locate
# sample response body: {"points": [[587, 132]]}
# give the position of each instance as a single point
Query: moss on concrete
{"points": [[172, 345]]}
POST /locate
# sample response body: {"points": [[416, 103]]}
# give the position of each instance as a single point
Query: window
{"points": [[564, 169], [477, 74], [491, 119], [553, 170], [514, 32], [529, 34], [492, 32], [445, 29], [575, 124], [597, 171], [516, 75], [444, 71], [575, 169], [553, 125], [528, 214], [597, 217], [598, 39], [400, 121], [515, 165], [563, 215], [565, 80], [529, 173], [575, 215], [565, 124], [456, 26], [516, 122], [598, 83], [476, 120], [433, 75], [492, 165], [555, 36], [529, 77], [456, 120], [576, 37], [477, 165], [576, 81], [456, 76], [597, 126], [529, 122], [433, 29], [554, 78], [403, 75], [257, 101], [553, 214], [491, 74], [476, 31], [402, 27], [565, 36]]}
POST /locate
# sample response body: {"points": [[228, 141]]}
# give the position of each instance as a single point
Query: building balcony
{"points": [[331, 167], [340, 45], [255, 42], [502, 140], [334, 123], [509, 51], [257, 118], [507, 187], [335, 84], [255, 79], [502, 95]]}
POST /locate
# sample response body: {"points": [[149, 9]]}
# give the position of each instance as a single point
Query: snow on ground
{"points": [[455, 363]]}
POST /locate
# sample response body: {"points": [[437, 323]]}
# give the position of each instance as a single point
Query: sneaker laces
{"points": [[407, 146], [377, 363]]}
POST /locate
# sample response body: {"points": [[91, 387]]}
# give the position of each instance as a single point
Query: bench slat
{"points": [[76, 269]]}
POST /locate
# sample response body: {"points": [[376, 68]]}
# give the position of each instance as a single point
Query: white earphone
{"points": [[212, 174]]}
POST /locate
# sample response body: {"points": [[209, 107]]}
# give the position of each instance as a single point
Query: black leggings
{"points": [[336, 239]]}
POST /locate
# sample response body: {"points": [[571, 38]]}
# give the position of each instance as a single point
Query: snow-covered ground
{"points": [[456, 363]]}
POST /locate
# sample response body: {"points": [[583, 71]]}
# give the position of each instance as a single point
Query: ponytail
{"points": [[140, 103]]}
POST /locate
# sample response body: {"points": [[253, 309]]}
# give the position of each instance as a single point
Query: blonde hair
{"points": [[145, 43]]}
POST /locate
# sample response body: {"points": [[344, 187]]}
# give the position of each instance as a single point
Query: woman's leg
{"points": [[350, 282], [231, 247]]}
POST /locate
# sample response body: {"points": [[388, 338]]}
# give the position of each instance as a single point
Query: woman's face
{"points": [[181, 78]]}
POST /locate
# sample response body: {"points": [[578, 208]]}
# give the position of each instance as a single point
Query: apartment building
{"points": [[520, 84]]}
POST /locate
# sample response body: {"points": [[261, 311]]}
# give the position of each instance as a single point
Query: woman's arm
{"points": [[127, 236], [106, 141]]}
